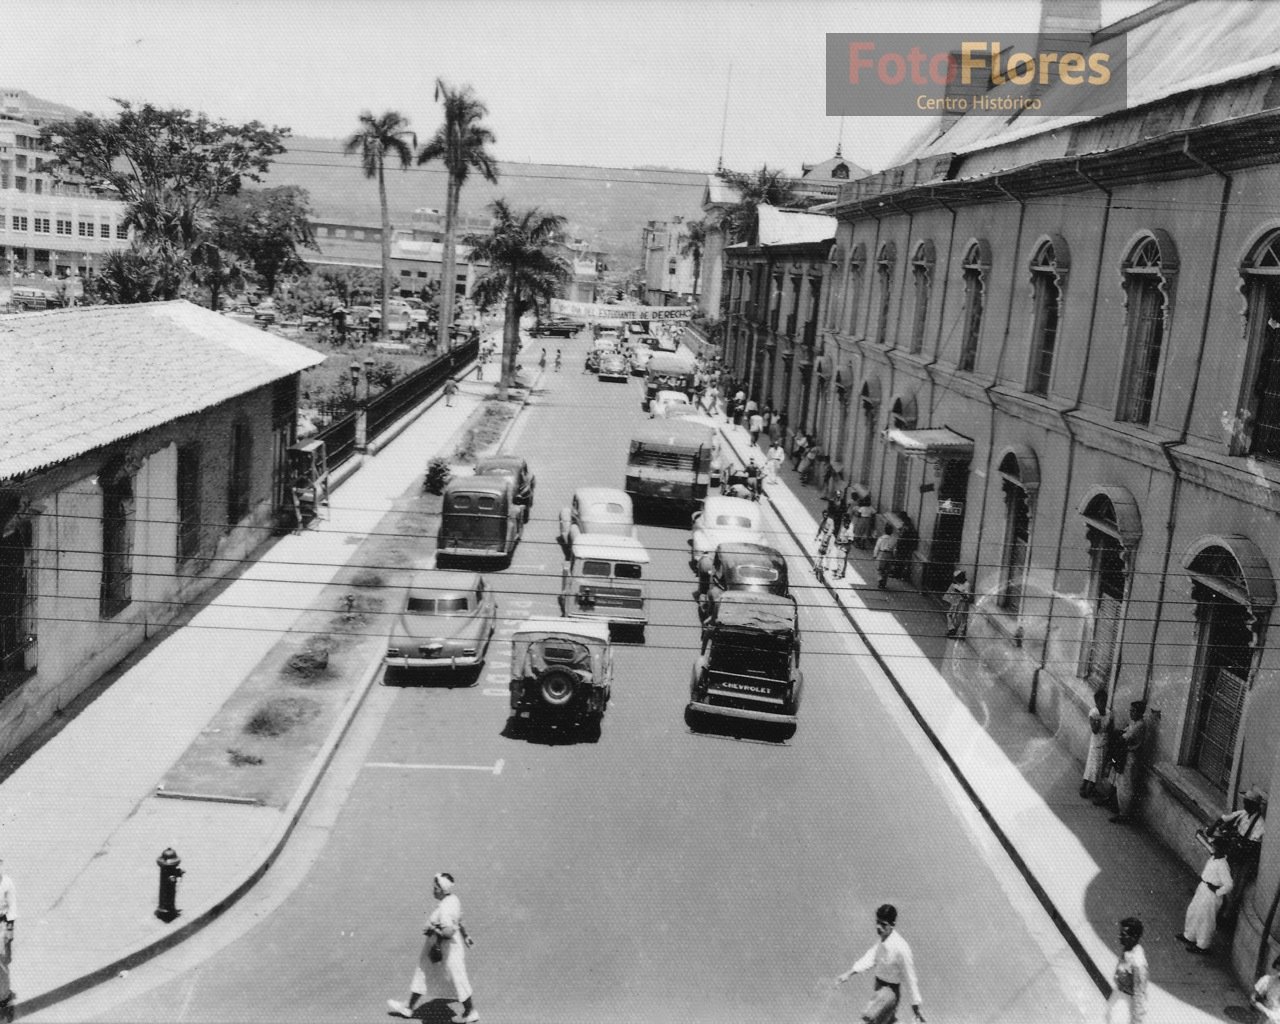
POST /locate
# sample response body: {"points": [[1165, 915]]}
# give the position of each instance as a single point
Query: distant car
{"points": [[613, 366], [418, 312], [265, 312], [598, 510], [661, 344], [725, 520], [517, 471], [640, 356], [663, 400], [597, 350], [560, 327], [609, 334], [446, 622]]}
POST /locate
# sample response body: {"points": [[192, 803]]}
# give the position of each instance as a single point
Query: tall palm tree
{"points": [[377, 138], [763, 187], [525, 268], [459, 143], [692, 242]]}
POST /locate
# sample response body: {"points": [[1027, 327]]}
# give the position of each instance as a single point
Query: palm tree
{"points": [[692, 243], [459, 143], [525, 267], [764, 187], [378, 137]]}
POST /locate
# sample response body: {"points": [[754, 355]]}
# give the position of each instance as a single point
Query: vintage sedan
{"points": [[613, 366], [601, 347], [517, 471], [604, 510], [557, 327], [639, 359], [724, 520], [663, 400], [446, 622], [755, 568]]}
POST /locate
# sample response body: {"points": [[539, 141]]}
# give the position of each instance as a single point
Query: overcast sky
{"points": [[610, 83]]}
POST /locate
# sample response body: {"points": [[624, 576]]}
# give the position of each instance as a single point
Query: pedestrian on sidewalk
{"points": [[864, 524], [542, 360], [8, 917], [844, 537], [1243, 830], [450, 389], [958, 598], [1128, 1001], [807, 464], [893, 965], [798, 447], [773, 462], [1201, 921], [443, 954], [1266, 995], [1127, 762], [756, 427], [558, 360], [883, 553], [826, 529], [739, 406], [1099, 731]]}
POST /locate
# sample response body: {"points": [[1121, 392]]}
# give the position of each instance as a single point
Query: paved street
{"points": [[655, 875]]}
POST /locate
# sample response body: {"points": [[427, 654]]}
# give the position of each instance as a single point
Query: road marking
{"points": [[495, 768]]}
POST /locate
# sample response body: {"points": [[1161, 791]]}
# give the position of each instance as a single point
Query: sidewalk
{"points": [[1088, 872], [80, 823]]}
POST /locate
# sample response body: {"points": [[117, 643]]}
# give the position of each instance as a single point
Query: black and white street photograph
{"points": [[559, 512]]}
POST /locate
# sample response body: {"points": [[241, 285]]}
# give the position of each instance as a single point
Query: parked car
{"points": [[749, 668], [723, 520], [419, 315], [265, 312], [595, 510], [517, 471], [639, 359], [613, 366], [736, 567], [604, 579], [558, 327], [445, 622], [597, 351], [479, 519], [663, 400], [561, 673]]}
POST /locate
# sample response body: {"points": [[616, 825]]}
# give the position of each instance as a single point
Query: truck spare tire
{"points": [[557, 686]]}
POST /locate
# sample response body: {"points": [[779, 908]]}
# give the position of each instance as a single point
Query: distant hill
{"points": [[606, 206]]}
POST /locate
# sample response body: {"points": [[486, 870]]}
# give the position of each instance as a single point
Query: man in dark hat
{"points": [[1128, 764], [894, 967]]}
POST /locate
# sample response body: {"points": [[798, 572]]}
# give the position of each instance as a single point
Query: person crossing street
{"points": [[443, 954], [894, 967]]}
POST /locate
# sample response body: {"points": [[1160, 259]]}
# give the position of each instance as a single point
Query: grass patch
{"points": [[313, 660], [368, 578], [485, 434], [239, 759], [280, 714]]}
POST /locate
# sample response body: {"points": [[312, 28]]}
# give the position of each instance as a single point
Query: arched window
{"points": [[922, 284], [840, 171], [900, 419], [1258, 424], [1048, 271], [1146, 279], [853, 288], [1110, 554], [870, 403], [1233, 590], [884, 281], [1017, 535], [977, 261]]}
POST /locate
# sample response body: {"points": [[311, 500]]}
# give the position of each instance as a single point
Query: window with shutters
{"points": [[868, 437], [1107, 581], [974, 269], [1046, 290], [238, 483], [116, 585], [922, 284], [189, 525], [1225, 644], [1258, 423], [853, 288], [884, 282], [1017, 537], [1147, 302]]}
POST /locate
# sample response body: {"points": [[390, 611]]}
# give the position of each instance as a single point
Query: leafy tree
{"points": [[763, 187], [378, 137], [460, 144], [351, 283], [265, 228], [141, 273], [218, 269], [169, 167], [525, 267], [692, 243]]}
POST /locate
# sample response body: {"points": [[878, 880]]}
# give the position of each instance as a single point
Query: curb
{"points": [[209, 914], [1100, 978]]}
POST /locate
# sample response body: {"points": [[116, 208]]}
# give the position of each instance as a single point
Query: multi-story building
{"points": [[48, 227], [587, 266], [142, 458], [417, 259], [1056, 347], [671, 271]]}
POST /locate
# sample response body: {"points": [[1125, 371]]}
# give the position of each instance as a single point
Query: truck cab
{"points": [[669, 463], [749, 668]]}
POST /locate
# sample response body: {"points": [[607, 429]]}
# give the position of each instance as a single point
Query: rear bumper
{"points": [[496, 554], [469, 661], [618, 616], [751, 714]]}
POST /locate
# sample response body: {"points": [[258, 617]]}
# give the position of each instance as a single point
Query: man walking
{"points": [[443, 952], [450, 389], [8, 917], [883, 553], [894, 967], [958, 598]]}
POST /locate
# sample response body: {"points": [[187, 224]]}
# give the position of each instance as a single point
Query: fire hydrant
{"points": [[169, 875]]}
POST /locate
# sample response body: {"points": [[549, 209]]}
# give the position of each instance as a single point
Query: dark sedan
{"points": [[558, 328], [517, 471]]}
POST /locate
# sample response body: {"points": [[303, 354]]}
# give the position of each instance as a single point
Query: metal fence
{"points": [[388, 406]]}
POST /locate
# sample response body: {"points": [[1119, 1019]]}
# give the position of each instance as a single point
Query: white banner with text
{"points": [[600, 311]]}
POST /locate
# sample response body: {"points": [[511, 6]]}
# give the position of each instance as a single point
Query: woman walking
{"points": [[443, 954], [883, 553]]}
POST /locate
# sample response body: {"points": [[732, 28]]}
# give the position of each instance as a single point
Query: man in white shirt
{"points": [[8, 917], [894, 965]]}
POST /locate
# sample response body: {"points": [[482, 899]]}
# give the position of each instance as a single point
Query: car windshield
{"points": [[755, 573], [607, 508], [627, 571], [735, 522], [595, 567], [437, 605], [750, 656]]}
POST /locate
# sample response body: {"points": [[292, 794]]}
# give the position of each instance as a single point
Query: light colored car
{"points": [[640, 356], [725, 520], [613, 366], [663, 400], [604, 579], [446, 621], [605, 510]]}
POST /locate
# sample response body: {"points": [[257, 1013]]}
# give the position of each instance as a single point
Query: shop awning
{"points": [[935, 443]]}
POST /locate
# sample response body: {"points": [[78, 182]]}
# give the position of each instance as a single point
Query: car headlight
{"points": [[394, 652]]}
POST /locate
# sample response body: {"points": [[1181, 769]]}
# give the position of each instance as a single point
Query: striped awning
{"points": [[934, 443]]}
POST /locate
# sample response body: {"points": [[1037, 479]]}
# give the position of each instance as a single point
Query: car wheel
{"points": [[556, 687]]}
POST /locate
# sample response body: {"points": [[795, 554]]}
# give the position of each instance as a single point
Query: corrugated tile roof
{"points": [[793, 227], [77, 379], [1179, 49]]}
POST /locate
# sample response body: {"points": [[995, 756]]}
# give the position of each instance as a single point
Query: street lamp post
{"points": [[362, 407]]}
